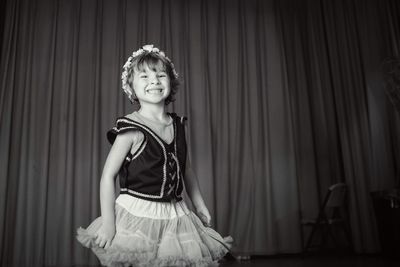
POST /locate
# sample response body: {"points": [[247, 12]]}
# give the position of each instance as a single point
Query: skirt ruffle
{"points": [[156, 234]]}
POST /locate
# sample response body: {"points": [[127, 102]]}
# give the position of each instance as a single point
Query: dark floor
{"points": [[317, 261]]}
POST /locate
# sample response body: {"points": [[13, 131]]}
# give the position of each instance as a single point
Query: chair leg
{"points": [[310, 238], [332, 235], [346, 228], [346, 233], [325, 234]]}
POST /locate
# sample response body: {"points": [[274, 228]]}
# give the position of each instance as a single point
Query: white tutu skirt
{"points": [[150, 233]]}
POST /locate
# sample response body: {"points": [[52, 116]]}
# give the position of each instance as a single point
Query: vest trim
{"points": [[140, 150]]}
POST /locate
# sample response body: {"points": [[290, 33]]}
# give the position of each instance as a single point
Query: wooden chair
{"points": [[331, 213]]}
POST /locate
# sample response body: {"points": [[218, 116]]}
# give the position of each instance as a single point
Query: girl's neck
{"points": [[155, 112]]}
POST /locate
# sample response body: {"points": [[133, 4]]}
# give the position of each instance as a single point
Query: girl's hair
{"points": [[155, 60]]}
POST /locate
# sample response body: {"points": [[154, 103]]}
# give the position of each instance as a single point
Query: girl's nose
{"points": [[155, 80]]}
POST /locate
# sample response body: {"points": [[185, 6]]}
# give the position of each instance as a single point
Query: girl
{"points": [[149, 224]]}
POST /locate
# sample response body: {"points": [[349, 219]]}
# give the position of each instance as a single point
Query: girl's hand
{"points": [[204, 216], [105, 235]]}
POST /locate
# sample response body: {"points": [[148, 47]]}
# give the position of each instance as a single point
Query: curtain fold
{"points": [[337, 55], [283, 98]]}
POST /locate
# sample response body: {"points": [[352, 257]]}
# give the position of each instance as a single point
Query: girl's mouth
{"points": [[154, 91]]}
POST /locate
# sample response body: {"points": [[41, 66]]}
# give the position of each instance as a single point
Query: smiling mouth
{"points": [[155, 91]]}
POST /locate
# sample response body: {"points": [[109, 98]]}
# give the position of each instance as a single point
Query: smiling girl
{"points": [[148, 223]]}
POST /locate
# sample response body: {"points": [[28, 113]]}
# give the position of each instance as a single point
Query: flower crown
{"points": [[129, 64]]}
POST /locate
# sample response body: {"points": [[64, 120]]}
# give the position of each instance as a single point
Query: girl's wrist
{"points": [[199, 205], [109, 222], [109, 227]]}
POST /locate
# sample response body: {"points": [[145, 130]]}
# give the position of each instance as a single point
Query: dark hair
{"points": [[155, 62]]}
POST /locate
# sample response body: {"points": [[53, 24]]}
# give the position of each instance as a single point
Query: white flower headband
{"points": [[129, 63]]}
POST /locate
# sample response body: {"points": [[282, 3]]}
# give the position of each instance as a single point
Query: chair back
{"points": [[337, 195], [333, 211]]}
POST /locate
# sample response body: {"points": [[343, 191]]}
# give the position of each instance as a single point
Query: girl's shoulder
{"points": [[130, 116], [126, 126], [136, 118], [177, 118]]}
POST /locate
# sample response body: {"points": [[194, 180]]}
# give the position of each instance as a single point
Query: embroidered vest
{"points": [[155, 171]]}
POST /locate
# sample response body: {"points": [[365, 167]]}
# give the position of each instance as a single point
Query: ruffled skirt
{"points": [[152, 233]]}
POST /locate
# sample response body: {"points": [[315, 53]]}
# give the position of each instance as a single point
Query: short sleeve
{"points": [[122, 125], [181, 120], [184, 121]]}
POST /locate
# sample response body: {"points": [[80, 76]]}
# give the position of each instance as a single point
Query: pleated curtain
{"points": [[283, 99]]}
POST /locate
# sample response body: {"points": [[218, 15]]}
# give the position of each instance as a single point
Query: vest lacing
{"points": [[178, 172]]}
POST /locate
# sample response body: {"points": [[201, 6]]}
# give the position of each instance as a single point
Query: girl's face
{"points": [[151, 85]]}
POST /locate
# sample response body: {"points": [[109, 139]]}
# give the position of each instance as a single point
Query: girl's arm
{"points": [[193, 191], [115, 158]]}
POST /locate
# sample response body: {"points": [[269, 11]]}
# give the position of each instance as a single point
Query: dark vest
{"points": [[155, 171]]}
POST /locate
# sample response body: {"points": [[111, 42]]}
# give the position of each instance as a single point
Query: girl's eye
{"points": [[143, 76], [162, 75]]}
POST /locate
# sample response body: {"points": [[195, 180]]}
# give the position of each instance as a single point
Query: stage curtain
{"points": [[283, 98]]}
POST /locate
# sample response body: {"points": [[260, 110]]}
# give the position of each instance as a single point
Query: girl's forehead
{"points": [[155, 66]]}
